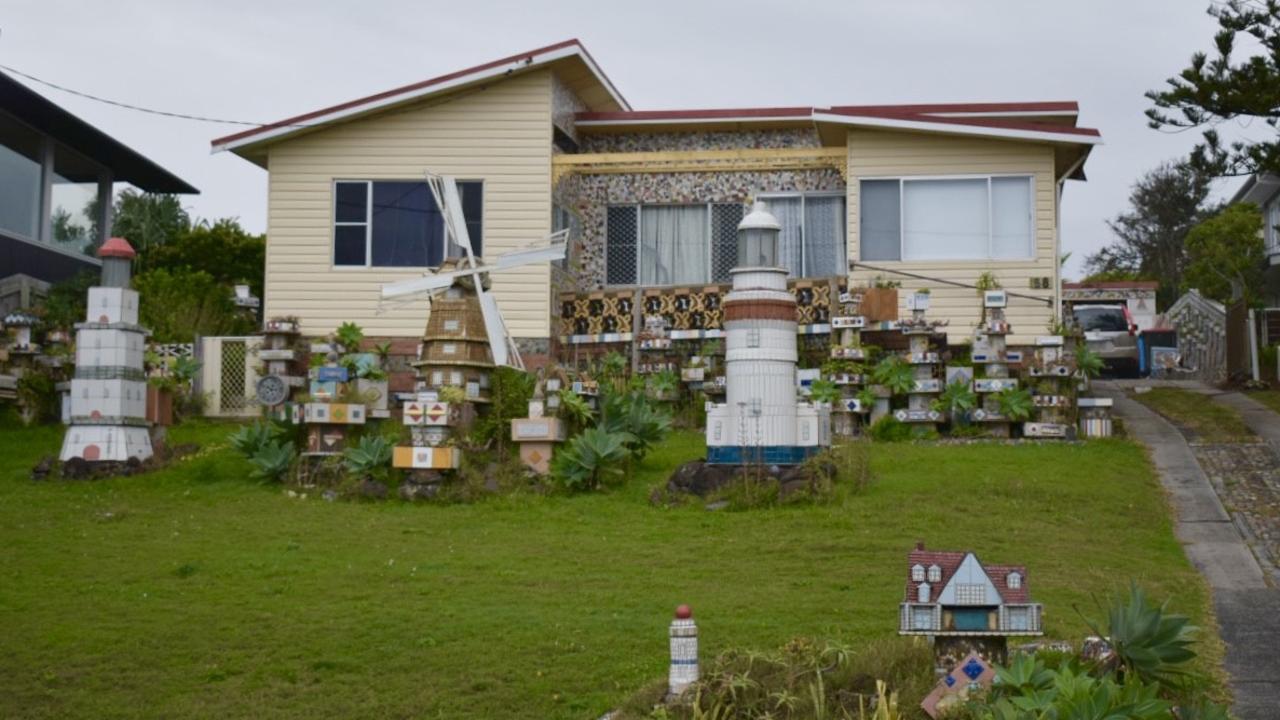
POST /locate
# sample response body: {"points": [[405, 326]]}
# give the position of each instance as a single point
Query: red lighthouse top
{"points": [[116, 247]]}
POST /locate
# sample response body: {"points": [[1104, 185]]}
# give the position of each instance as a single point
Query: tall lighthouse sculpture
{"points": [[109, 390], [761, 420]]}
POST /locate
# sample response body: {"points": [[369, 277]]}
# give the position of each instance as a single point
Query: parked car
{"points": [[1109, 331]]}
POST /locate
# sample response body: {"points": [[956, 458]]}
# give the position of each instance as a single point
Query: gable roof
{"points": [[126, 164], [594, 87], [950, 561]]}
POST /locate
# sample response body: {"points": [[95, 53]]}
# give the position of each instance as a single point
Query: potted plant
{"points": [[919, 300], [694, 371], [663, 386], [160, 392]]}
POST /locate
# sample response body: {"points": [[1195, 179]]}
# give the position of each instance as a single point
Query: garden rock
{"points": [[43, 468], [699, 478]]}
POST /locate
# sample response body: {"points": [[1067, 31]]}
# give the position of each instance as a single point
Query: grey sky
{"points": [[264, 60]]}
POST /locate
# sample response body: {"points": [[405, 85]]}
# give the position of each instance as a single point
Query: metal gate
{"points": [[229, 375]]}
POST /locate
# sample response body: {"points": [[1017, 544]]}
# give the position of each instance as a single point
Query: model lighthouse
{"points": [[761, 421], [109, 390]]}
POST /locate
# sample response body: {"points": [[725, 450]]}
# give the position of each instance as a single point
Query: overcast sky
{"points": [[263, 60]]}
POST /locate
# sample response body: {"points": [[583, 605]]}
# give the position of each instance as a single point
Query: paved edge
{"points": [[1262, 420]]}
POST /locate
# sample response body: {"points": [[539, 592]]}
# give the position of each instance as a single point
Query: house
{"points": [[58, 174], [952, 594], [1263, 190], [543, 140]]}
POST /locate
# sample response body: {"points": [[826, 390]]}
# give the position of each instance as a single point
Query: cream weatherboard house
{"points": [[543, 140]]}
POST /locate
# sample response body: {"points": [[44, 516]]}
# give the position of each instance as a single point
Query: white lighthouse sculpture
{"points": [[761, 421], [109, 390]]}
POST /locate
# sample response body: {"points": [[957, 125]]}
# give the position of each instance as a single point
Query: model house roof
{"points": [[126, 164], [1052, 122], [949, 562]]}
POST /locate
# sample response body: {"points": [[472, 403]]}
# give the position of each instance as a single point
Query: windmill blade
{"points": [[554, 251], [500, 342], [424, 284]]}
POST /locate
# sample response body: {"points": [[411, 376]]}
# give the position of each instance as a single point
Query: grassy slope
{"points": [[1202, 418], [194, 592]]}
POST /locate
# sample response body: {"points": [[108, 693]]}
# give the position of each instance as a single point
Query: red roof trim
{"points": [[761, 113], [994, 123], [299, 119], [976, 108]]}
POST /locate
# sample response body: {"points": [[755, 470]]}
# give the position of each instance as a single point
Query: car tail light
{"points": [[1128, 318]]}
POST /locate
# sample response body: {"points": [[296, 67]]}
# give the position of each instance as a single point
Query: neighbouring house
{"points": [[543, 141], [954, 594], [1263, 190], [58, 173]]}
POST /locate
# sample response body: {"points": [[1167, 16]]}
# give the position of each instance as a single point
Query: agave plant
{"points": [[1015, 403], [574, 409], [895, 374], [1089, 362], [272, 460], [249, 439], [1147, 642], [368, 457], [349, 336], [592, 456], [641, 424]]}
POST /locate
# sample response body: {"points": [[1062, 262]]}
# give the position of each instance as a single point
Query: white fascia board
{"points": [[692, 120], [425, 92], [957, 129], [1006, 114]]}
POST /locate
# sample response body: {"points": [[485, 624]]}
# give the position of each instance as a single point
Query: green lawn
{"points": [[195, 592], [1270, 398], [1197, 415]]}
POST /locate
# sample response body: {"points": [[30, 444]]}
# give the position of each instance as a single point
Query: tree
{"points": [[1212, 91], [180, 304], [224, 250], [1225, 256], [148, 221], [1164, 205]]}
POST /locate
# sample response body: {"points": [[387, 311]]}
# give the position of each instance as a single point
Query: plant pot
{"points": [[159, 406], [879, 304]]}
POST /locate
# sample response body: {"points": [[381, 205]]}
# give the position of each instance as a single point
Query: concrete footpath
{"points": [[1248, 609]]}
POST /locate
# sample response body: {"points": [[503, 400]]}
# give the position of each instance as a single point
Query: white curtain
{"points": [[791, 217], [824, 244], [1011, 235], [674, 245], [945, 220]]}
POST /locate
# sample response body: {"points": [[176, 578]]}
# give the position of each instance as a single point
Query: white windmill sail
{"points": [[501, 345]]}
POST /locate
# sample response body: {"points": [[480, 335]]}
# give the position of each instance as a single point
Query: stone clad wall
{"points": [[686, 141], [1202, 335]]}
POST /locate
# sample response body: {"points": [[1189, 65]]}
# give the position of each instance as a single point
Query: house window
{"points": [[1272, 229], [812, 240], [395, 223], [921, 618], [971, 594], [671, 244], [1014, 581], [935, 574], [917, 573], [988, 218]]}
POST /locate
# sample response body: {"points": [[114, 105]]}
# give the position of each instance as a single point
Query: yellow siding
{"points": [[500, 134], [897, 154]]}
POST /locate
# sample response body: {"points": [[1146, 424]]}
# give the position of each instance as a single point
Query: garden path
{"points": [[1240, 574]]}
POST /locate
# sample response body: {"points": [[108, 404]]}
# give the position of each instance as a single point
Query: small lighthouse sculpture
{"points": [[761, 421], [109, 390]]}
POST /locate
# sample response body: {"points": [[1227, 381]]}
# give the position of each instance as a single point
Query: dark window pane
{"points": [[407, 229], [351, 203], [348, 245], [880, 221], [620, 248], [472, 196], [724, 239]]}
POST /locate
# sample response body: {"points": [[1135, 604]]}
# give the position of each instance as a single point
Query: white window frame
{"points": [[368, 223], [917, 573], [1013, 580], [766, 197], [971, 594], [901, 179], [935, 574]]}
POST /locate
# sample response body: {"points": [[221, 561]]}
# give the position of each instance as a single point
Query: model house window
{"points": [[671, 244], [1014, 581], [812, 240], [1018, 618], [971, 594], [395, 223], [921, 618], [935, 574], [917, 573], [987, 218]]}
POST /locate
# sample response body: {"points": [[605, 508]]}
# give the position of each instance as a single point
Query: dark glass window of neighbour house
{"points": [[395, 223]]}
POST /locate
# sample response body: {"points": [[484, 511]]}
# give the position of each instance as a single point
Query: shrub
{"points": [[1089, 362], [957, 399], [895, 374], [272, 461], [574, 410], [39, 397], [889, 429], [1015, 403], [591, 457], [349, 335], [510, 391], [370, 457], [249, 439], [825, 391], [179, 304], [640, 424]]}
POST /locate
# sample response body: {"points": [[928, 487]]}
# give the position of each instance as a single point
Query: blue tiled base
{"points": [[771, 455]]}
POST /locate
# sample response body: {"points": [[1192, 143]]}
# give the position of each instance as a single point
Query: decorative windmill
{"points": [[454, 340]]}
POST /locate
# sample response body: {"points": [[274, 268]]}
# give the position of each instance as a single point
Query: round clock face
{"points": [[272, 390]]}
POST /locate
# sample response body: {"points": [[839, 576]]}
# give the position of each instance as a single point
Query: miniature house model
{"points": [[761, 421], [953, 594], [455, 346], [109, 390]]}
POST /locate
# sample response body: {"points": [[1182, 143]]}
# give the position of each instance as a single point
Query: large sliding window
{"points": [[395, 223], [987, 218], [689, 244]]}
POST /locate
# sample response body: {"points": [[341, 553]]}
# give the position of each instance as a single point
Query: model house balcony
{"points": [[933, 619]]}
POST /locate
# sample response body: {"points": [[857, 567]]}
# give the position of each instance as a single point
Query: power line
{"points": [[136, 108]]}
